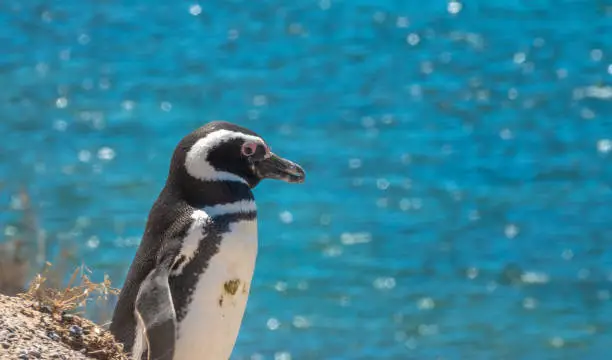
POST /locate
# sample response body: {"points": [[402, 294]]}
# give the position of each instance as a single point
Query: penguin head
{"points": [[222, 151]]}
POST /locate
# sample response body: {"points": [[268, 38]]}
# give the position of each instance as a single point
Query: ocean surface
{"points": [[458, 156]]}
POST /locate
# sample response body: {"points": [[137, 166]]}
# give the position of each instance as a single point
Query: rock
{"points": [[26, 332], [53, 336], [75, 330]]}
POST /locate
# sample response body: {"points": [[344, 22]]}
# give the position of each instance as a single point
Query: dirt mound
{"points": [[29, 331]]}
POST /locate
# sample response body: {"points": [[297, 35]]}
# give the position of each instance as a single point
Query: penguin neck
{"points": [[216, 194]]}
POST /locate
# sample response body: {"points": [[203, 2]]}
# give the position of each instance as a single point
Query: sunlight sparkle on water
{"points": [[61, 102], [106, 153], [286, 217], [413, 39], [273, 324], [195, 9], [282, 356], [384, 283], [454, 7], [426, 303], [604, 146]]}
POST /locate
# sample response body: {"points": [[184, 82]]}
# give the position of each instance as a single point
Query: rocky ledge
{"points": [[31, 331]]}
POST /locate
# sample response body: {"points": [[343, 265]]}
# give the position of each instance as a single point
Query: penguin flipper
{"points": [[155, 312]]}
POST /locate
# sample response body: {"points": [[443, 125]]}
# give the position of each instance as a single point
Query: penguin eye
{"points": [[249, 148]]}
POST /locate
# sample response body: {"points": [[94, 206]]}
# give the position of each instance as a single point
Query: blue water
{"points": [[459, 160]]}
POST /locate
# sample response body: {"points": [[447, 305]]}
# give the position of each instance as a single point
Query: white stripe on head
{"points": [[197, 164]]}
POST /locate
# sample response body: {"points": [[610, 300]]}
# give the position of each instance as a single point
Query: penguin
{"points": [[187, 287]]}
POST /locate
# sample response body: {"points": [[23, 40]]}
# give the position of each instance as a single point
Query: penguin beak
{"points": [[276, 167]]}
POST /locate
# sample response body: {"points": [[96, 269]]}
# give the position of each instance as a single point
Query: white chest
{"points": [[212, 321]]}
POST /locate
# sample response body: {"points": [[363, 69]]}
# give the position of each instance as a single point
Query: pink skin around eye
{"points": [[249, 149]]}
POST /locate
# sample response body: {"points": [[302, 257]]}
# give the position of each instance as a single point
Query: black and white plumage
{"points": [[187, 288]]}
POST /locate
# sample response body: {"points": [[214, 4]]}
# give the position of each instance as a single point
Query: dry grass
{"points": [[73, 296], [58, 307], [63, 307]]}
